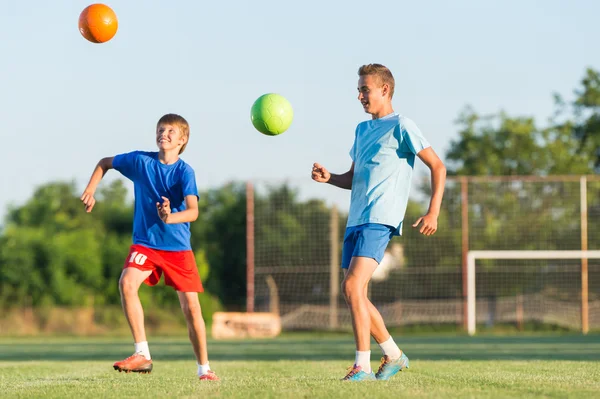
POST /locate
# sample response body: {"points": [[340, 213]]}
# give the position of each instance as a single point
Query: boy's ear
{"points": [[385, 89]]}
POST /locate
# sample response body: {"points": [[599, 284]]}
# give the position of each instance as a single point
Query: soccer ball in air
{"points": [[98, 23], [271, 114]]}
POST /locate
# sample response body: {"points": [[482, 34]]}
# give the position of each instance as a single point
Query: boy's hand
{"points": [[429, 224], [164, 209], [88, 200], [320, 174]]}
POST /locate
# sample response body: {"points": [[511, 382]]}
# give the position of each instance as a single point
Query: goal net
{"points": [[548, 287]]}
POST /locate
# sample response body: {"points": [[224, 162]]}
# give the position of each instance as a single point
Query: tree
{"points": [[581, 117], [50, 250], [499, 145]]}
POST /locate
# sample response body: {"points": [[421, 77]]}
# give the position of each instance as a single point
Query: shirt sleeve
{"points": [[353, 149], [127, 164], [413, 137], [188, 183]]}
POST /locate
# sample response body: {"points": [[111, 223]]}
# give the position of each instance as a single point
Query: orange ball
{"points": [[98, 23]]}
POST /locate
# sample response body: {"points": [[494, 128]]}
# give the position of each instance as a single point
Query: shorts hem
{"points": [[362, 256], [184, 291]]}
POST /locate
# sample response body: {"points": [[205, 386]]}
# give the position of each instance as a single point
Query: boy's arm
{"points": [[438, 181], [99, 171], [190, 214], [322, 175]]}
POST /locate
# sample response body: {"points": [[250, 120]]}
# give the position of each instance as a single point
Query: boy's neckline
{"points": [[166, 164], [390, 115]]}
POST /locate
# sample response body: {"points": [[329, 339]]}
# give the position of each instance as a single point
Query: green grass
{"points": [[306, 366]]}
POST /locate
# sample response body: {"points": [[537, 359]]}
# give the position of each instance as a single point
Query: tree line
{"points": [[53, 253]]}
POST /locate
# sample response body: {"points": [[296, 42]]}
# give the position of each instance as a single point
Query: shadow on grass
{"points": [[309, 347]]}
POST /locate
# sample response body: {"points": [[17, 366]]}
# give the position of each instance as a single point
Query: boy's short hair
{"points": [[383, 73], [180, 122]]}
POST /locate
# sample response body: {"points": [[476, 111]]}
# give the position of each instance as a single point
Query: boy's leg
{"points": [[195, 322], [379, 331], [394, 360], [129, 284], [354, 288], [197, 332]]}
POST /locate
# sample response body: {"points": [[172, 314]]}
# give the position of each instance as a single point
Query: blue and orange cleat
{"points": [[356, 373], [388, 367]]}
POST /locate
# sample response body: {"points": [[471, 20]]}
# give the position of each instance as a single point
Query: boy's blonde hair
{"points": [[381, 72], [180, 122]]}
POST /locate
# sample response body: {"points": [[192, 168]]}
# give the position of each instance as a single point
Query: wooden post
{"points": [[464, 207], [273, 295], [519, 312], [334, 268], [584, 262], [249, 247]]}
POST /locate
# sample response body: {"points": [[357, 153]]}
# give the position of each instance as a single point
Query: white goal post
{"points": [[472, 256]]}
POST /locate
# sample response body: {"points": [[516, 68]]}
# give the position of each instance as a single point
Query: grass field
{"points": [[306, 366]]}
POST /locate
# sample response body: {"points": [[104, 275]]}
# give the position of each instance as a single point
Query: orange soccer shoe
{"points": [[136, 363], [209, 376]]}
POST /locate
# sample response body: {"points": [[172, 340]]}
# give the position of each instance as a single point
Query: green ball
{"points": [[271, 114]]}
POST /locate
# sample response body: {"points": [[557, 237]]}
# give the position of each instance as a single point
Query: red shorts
{"points": [[179, 267]]}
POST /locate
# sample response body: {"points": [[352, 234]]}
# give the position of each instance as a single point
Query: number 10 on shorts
{"points": [[138, 258]]}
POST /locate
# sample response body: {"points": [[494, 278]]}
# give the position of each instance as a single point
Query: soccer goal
{"points": [[524, 256]]}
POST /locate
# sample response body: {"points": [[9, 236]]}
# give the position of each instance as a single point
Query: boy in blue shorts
{"points": [[166, 202], [383, 156]]}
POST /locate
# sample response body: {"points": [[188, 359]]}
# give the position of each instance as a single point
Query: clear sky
{"points": [[65, 102]]}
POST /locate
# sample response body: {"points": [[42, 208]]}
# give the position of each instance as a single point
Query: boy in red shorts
{"points": [[166, 201]]}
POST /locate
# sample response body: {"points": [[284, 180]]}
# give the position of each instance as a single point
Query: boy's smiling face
{"points": [[169, 137], [372, 94]]}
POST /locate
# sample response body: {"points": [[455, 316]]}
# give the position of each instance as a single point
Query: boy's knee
{"points": [[192, 311], [127, 285], [350, 287]]}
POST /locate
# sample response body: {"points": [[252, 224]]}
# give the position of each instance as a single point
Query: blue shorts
{"points": [[368, 240]]}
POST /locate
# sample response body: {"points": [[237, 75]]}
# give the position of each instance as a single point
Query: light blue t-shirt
{"points": [[383, 152], [151, 181]]}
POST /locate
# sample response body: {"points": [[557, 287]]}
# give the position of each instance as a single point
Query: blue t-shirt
{"points": [[383, 152], [151, 181]]}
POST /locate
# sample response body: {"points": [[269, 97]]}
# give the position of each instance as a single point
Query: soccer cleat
{"points": [[209, 376], [135, 363], [355, 373], [389, 367]]}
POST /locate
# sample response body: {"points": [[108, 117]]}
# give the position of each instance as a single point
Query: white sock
{"points": [[363, 359], [390, 348], [202, 368], [142, 348]]}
